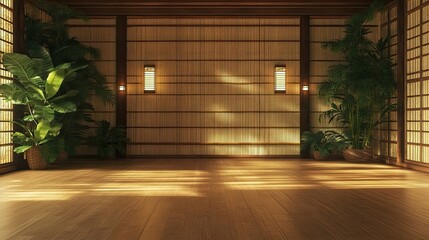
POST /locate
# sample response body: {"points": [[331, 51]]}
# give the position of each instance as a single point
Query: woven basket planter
{"points": [[35, 160]]}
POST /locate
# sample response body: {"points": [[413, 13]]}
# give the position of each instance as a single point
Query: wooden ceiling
{"points": [[218, 8]]}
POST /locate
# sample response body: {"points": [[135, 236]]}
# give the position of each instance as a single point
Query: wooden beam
{"points": [[279, 8], [218, 12], [121, 72], [401, 80], [305, 76], [18, 47]]}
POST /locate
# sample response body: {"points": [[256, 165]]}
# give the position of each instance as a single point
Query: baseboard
{"points": [[410, 165], [8, 168]]}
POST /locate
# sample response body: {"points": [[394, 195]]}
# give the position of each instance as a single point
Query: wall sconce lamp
{"points": [[280, 79], [305, 88], [122, 88], [149, 79]]}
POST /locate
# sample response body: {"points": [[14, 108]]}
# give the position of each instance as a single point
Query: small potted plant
{"points": [[36, 86], [108, 140], [320, 143]]}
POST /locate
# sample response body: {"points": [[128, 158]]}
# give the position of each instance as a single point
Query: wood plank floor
{"points": [[215, 199]]}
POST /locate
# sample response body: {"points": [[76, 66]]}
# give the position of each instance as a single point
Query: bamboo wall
{"points": [[99, 33], [215, 90], [417, 81], [322, 30], [388, 130], [35, 13], [6, 109]]}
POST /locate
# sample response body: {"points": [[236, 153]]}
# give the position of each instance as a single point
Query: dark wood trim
{"points": [[305, 77], [423, 167], [8, 167], [121, 72], [400, 76], [19, 47], [240, 8]]}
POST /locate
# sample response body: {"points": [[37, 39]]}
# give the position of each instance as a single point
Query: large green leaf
{"points": [[40, 55], [70, 93], [35, 92], [54, 81], [19, 138], [42, 130], [22, 149], [55, 128], [20, 65], [43, 113], [37, 80], [63, 107], [14, 93]]}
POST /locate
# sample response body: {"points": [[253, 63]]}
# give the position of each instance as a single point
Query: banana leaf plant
{"points": [[36, 85], [55, 36]]}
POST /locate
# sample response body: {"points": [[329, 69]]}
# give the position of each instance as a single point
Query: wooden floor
{"points": [[215, 199]]}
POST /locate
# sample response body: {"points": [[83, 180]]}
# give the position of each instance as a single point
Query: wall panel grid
{"points": [[417, 85], [214, 87], [387, 132], [6, 109], [99, 33], [321, 30]]}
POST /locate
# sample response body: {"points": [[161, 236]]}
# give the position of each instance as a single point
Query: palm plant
{"points": [[360, 87]]}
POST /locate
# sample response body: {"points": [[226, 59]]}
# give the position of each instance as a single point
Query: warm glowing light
{"points": [[121, 88], [149, 79], [280, 79], [305, 88]]}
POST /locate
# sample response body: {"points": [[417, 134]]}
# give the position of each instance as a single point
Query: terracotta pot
{"points": [[35, 160], [358, 155], [318, 156]]}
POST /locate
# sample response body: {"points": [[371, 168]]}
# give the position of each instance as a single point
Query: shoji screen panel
{"points": [[215, 87], [388, 130], [417, 76], [6, 109], [101, 34]]}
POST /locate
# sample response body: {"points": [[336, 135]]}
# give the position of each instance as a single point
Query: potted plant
{"points": [[359, 88], [36, 85], [108, 140], [320, 143], [88, 81]]}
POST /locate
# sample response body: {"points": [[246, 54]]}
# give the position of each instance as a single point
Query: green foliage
{"points": [[54, 36], [323, 142], [44, 102], [360, 87], [108, 140], [86, 80]]}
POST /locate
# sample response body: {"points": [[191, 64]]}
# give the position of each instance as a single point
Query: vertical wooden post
{"points": [[305, 77], [400, 76], [18, 47], [121, 73]]}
